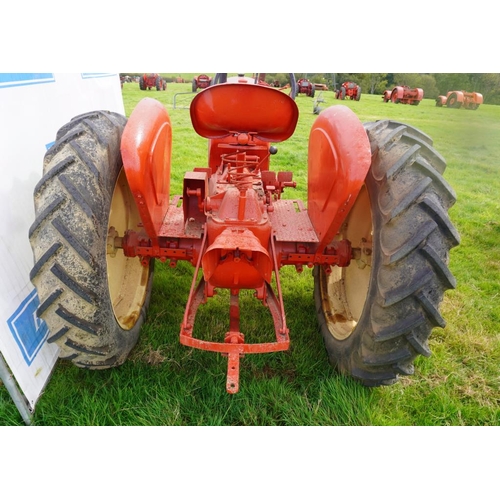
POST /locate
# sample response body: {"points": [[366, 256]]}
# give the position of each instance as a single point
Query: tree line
{"points": [[433, 84]]}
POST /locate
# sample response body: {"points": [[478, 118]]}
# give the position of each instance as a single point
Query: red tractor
{"points": [[404, 95], [349, 90], [304, 86], [460, 99], [375, 230], [201, 82], [152, 80]]}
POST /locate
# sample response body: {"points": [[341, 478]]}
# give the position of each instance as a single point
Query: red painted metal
{"points": [[201, 82], [349, 90], [223, 110], [460, 99], [304, 86], [146, 151], [339, 159], [406, 95], [231, 221], [149, 81]]}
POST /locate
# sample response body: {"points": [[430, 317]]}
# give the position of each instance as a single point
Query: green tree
{"points": [[488, 84], [452, 81]]}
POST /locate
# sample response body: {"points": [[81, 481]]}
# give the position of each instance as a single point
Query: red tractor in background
{"points": [[460, 99], [149, 81], [201, 82], [375, 231], [304, 86], [404, 95], [349, 90]]}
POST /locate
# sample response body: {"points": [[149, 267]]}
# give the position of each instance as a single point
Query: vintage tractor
{"points": [[201, 82], [152, 80], [460, 99], [349, 90], [404, 95], [304, 86], [375, 231]]}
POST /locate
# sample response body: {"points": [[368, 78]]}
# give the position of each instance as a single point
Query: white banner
{"points": [[33, 106]]}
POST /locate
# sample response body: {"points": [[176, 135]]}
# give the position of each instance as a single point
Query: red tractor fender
{"points": [[397, 92], [420, 94], [146, 147], [478, 98], [339, 158]]}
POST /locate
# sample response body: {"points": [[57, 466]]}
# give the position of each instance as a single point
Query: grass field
{"points": [[164, 383]]}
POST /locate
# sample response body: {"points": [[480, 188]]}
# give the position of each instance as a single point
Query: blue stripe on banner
{"points": [[28, 330], [20, 79], [97, 75]]}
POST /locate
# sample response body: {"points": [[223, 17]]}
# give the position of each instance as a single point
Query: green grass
{"points": [[164, 383]]}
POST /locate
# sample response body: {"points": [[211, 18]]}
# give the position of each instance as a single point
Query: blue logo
{"points": [[19, 79], [28, 330]]}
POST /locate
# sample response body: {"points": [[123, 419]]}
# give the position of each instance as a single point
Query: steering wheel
{"points": [[222, 78]]}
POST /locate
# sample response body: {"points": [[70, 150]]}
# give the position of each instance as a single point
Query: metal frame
{"points": [[17, 396]]}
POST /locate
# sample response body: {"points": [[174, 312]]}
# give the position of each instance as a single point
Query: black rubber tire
{"points": [[453, 102], [358, 93], [408, 274], [158, 83], [194, 85], [342, 93], [69, 243], [142, 84]]}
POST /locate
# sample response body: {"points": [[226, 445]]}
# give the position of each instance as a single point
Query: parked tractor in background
{"points": [[152, 80], [460, 99], [304, 86], [375, 230], [404, 95], [349, 90], [321, 86], [201, 82]]}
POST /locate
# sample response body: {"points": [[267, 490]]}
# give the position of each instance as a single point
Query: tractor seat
{"points": [[221, 110]]}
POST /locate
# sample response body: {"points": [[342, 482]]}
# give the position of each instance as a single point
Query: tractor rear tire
{"points": [[142, 83], [453, 102], [83, 288], [376, 315]]}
